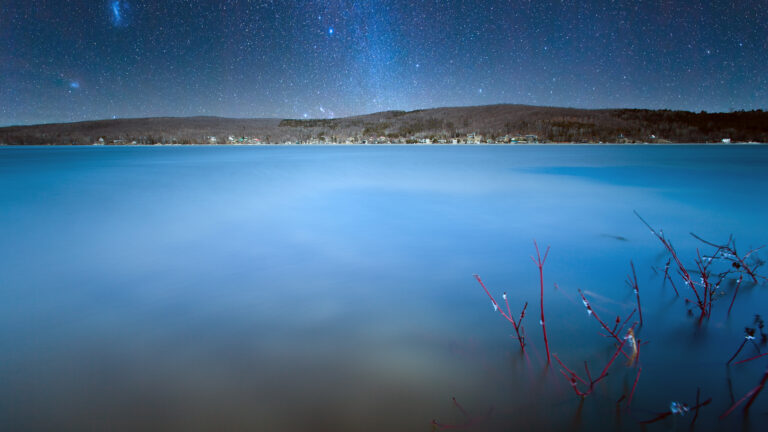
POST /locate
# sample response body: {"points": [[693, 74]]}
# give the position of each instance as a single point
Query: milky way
{"points": [[117, 13], [342, 57]]}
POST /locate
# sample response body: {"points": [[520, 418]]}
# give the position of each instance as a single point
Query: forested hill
{"points": [[498, 123]]}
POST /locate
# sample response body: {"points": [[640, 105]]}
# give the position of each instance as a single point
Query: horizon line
{"points": [[371, 113]]}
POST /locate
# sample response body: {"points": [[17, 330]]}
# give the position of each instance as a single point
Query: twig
{"points": [[751, 358], [591, 385], [508, 316], [749, 336], [586, 368], [696, 408], [570, 371], [677, 408], [737, 352], [611, 333], [592, 312], [634, 386], [735, 292], [680, 267], [705, 285], [667, 276], [633, 284], [540, 264], [752, 395], [458, 405], [625, 322], [733, 256]]}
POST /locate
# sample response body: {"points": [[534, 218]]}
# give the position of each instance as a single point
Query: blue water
{"points": [[331, 288]]}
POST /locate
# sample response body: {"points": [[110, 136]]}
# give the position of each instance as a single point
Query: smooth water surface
{"points": [[331, 288]]}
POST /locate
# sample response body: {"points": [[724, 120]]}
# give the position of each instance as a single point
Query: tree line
{"points": [[492, 122]]}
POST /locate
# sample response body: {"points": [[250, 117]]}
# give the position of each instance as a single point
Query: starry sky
{"points": [[73, 60]]}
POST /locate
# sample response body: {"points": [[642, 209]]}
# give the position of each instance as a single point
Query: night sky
{"points": [[76, 60]]}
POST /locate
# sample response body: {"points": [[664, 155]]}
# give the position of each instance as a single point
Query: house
{"points": [[474, 138]]}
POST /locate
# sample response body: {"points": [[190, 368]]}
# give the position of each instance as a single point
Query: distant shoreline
{"points": [[500, 124], [737, 144]]}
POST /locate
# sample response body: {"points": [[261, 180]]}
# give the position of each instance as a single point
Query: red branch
{"points": [[731, 255], [634, 386], [735, 293], [540, 264], [680, 267], [633, 284], [751, 358], [667, 276], [592, 312], [508, 315], [737, 352], [639, 369], [614, 333], [696, 408], [625, 321], [708, 289], [572, 377], [747, 338], [752, 395], [669, 413]]}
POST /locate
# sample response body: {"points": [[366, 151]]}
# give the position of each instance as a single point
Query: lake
{"points": [[331, 288]]}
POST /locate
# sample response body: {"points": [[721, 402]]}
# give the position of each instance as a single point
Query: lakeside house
{"points": [[474, 138], [242, 140]]}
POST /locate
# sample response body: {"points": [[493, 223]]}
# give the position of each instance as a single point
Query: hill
{"points": [[499, 123]]}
